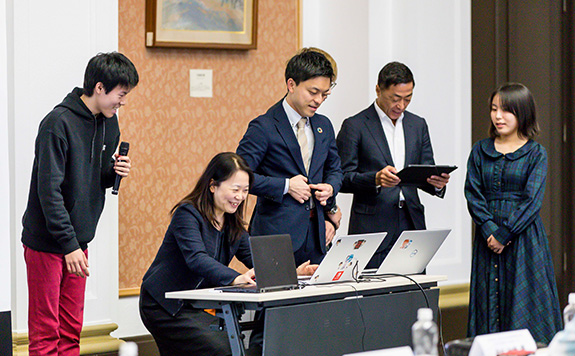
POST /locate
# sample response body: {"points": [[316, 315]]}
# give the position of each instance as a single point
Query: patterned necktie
{"points": [[302, 140]]}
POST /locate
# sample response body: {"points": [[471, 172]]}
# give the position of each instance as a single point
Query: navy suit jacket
{"points": [[271, 149], [187, 258], [364, 151]]}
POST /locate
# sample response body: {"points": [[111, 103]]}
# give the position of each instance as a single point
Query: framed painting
{"points": [[202, 23]]}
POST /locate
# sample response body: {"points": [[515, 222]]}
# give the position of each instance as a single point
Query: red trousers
{"points": [[55, 305]]}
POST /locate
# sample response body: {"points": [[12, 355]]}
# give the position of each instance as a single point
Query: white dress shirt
{"points": [[395, 140], [395, 137]]}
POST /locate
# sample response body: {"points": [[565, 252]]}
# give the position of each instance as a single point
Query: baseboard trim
{"points": [[94, 339], [454, 296]]}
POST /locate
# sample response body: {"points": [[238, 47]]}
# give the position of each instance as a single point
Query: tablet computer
{"points": [[417, 174]]}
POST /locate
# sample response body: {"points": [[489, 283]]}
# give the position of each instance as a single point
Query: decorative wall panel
{"points": [[173, 136]]}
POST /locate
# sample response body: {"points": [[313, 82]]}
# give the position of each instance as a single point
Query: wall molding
{"points": [[94, 339], [454, 296], [129, 292]]}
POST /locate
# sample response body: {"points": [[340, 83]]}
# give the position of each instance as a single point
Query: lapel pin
{"points": [[319, 130]]}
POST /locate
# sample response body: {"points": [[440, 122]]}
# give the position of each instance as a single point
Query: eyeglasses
{"points": [[333, 84]]}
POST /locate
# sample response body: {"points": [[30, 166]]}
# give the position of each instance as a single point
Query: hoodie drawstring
{"points": [[103, 140], [93, 139]]}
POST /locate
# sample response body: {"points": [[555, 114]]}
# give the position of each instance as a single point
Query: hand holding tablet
{"points": [[417, 174]]}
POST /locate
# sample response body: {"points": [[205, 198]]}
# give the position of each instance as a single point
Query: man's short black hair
{"points": [[308, 65], [111, 69], [394, 73]]}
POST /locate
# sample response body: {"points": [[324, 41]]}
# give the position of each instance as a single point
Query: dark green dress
{"points": [[516, 289]]}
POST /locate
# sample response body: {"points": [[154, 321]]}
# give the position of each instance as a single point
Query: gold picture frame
{"points": [[227, 24]]}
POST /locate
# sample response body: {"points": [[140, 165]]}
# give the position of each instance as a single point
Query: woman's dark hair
{"points": [[518, 100], [221, 168]]}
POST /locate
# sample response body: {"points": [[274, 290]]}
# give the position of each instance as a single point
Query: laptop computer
{"points": [[274, 265], [412, 251], [346, 258]]}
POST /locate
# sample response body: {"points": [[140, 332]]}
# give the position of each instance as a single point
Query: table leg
{"points": [[231, 317]]}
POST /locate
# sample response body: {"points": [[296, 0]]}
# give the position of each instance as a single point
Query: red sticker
{"points": [[337, 276]]}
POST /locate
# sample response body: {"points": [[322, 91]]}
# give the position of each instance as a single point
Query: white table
{"points": [[325, 319]]}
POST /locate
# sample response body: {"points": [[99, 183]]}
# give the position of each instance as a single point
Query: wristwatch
{"points": [[333, 210]]}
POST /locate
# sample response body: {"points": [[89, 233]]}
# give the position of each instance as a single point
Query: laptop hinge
{"points": [[278, 288]]}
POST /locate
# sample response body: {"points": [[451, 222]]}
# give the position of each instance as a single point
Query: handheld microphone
{"points": [[123, 151]]}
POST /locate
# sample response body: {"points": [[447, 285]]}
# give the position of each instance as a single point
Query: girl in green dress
{"points": [[512, 280]]}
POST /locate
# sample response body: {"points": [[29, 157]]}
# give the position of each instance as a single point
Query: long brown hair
{"points": [[221, 168]]}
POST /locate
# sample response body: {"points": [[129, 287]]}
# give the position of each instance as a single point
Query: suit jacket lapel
{"points": [[375, 128], [318, 133], [286, 132], [409, 134]]}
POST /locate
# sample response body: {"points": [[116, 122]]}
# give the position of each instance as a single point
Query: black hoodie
{"points": [[73, 165]]}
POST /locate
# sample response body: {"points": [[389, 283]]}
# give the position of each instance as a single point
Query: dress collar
{"points": [[488, 147]]}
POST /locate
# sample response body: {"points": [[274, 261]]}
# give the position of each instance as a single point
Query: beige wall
{"points": [[172, 135]]}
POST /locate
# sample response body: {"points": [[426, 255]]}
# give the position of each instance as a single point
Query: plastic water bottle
{"points": [[128, 349], [569, 311], [424, 333], [563, 343]]}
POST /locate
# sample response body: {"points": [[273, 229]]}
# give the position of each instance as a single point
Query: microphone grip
{"points": [[123, 151], [115, 189]]}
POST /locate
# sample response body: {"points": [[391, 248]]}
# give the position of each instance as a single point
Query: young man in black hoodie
{"points": [[75, 161]]}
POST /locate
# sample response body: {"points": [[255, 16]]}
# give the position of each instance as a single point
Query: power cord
{"points": [[355, 276], [364, 327], [412, 280], [355, 272], [380, 277], [439, 316]]}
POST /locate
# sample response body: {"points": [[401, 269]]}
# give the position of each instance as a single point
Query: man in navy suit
{"points": [[374, 145], [293, 154]]}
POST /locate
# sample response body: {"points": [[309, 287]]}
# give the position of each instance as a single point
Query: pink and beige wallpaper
{"points": [[173, 136]]}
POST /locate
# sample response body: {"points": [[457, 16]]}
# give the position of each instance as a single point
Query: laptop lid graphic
{"points": [[274, 265], [412, 251], [347, 258]]}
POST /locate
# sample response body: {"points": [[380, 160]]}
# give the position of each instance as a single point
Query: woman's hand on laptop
{"points": [[247, 278], [306, 269]]}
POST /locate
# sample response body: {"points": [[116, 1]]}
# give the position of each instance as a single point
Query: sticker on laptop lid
{"points": [[406, 244]]}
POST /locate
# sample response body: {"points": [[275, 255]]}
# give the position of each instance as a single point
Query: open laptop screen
{"points": [[412, 251], [274, 265]]}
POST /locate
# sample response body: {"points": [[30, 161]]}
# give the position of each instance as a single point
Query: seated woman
{"points": [[206, 231]]}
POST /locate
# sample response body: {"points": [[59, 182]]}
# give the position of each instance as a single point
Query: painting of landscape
{"points": [[204, 15]]}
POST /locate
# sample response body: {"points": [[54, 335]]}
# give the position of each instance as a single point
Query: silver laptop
{"points": [[347, 258], [412, 251]]}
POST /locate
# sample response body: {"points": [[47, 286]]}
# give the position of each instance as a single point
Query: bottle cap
{"points": [[424, 314], [571, 298], [129, 349]]}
